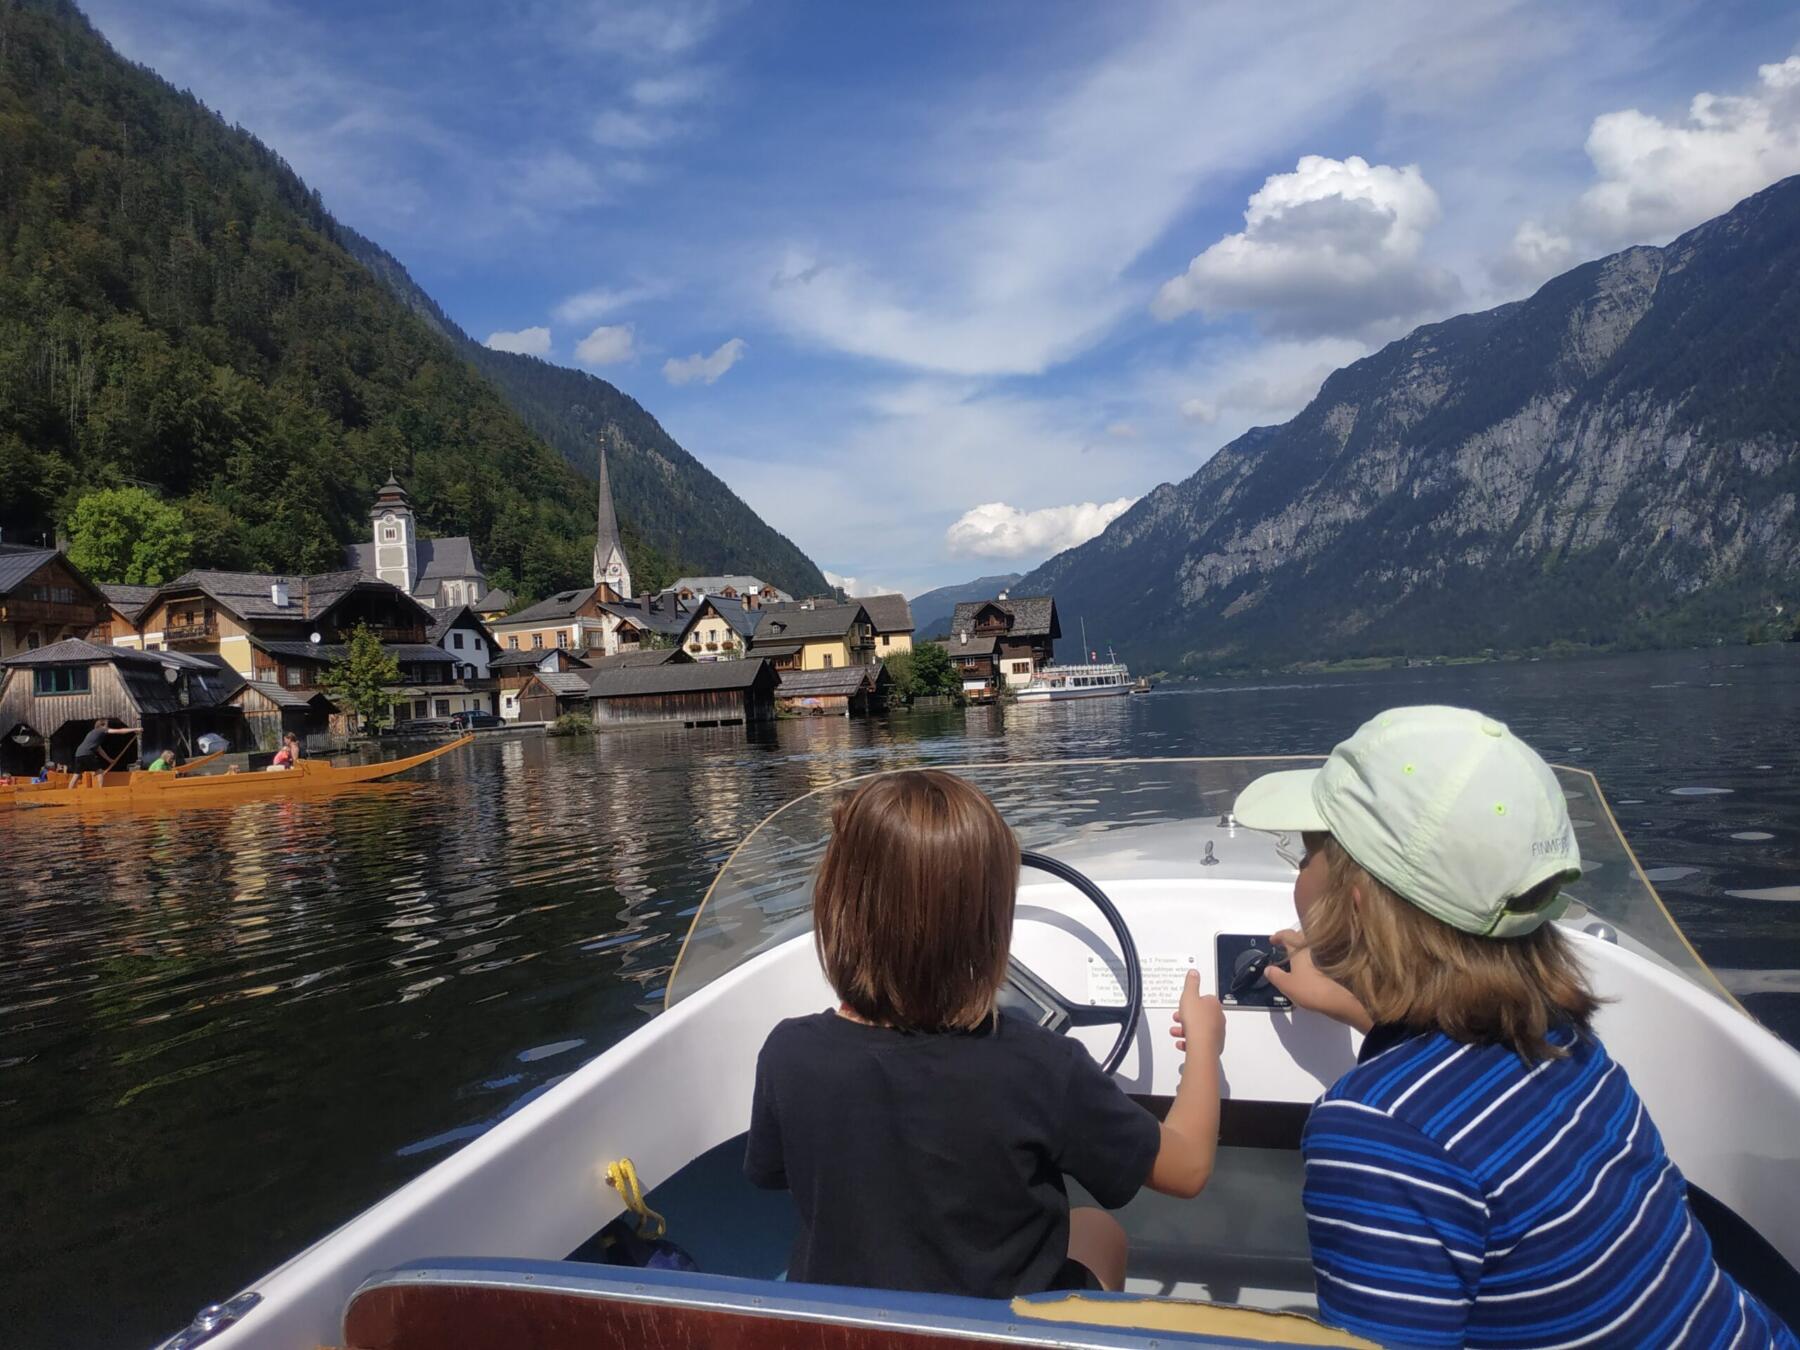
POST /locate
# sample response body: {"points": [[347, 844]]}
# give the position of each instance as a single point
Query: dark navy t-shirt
{"points": [[935, 1162]]}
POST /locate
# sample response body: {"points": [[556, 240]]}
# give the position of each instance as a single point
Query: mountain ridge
{"points": [[931, 611], [1613, 460], [681, 504]]}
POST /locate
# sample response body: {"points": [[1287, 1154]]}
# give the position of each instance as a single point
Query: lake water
{"points": [[224, 1032]]}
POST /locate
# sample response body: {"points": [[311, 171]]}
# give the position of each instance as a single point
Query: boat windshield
{"points": [[1136, 808]]}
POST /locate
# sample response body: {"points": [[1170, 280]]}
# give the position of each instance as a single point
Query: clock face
{"points": [[612, 570]]}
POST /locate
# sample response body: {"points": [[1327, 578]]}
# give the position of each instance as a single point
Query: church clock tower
{"points": [[610, 568], [396, 539]]}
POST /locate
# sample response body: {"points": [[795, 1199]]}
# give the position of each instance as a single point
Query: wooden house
{"points": [[695, 694], [270, 711], [814, 635], [45, 598], [853, 691], [575, 621], [1002, 642], [51, 697], [753, 592], [245, 616]]}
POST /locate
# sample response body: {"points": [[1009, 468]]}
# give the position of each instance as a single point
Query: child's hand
{"points": [[1308, 988], [1199, 1021]]}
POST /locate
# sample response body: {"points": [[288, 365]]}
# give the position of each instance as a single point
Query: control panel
{"points": [[1242, 959]]}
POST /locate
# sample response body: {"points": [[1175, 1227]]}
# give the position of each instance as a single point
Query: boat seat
{"points": [[558, 1305]]}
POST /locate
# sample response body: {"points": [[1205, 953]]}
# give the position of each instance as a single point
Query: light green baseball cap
{"points": [[1445, 806]]}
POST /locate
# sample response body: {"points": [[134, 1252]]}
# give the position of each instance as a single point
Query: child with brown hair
{"points": [[1486, 1175], [925, 1134]]}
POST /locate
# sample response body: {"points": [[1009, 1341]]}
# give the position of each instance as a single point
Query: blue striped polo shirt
{"points": [[1456, 1195]]}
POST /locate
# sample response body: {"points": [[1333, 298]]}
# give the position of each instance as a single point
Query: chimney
{"points": [[278, 594]]}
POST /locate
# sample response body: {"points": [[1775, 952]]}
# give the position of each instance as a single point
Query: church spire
{"points": [[610, 567]]}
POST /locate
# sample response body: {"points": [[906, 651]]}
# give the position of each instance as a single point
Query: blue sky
{"points": [[939, 288]]}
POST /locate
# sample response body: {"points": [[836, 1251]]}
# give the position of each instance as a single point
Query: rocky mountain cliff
{"points": [[678, 503], [1615, 460]]}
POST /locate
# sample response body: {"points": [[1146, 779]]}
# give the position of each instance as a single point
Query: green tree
{"points": [[899, 666], [932, 671], [127, 535], [360, 679]]}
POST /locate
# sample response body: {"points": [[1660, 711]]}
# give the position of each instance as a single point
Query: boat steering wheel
{"points": [[1051, 1008]]}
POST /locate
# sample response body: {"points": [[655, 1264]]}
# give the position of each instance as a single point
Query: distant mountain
{"points": [[932, 610], [1615, 460], [680, 506]]}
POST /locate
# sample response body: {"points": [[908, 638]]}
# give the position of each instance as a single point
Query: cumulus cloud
{"points": [[1334, 247], [706, 369], [525, 342], [1656, 178], [996, 530], [856, 587], [607, 345]]}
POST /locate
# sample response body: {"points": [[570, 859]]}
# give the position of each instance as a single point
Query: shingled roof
{"points": [[842, 680], [250, 595], [439, 560], [562, 605], [696, 677], [18, 563], [655, 656], [797, 623], [128, 600], [563, 683], [1032, 615], [888, 613]]}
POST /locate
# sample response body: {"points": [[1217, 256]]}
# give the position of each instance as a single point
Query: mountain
{"points": [[680, 505], [931, 611], [1613, 461], [177, 311]]}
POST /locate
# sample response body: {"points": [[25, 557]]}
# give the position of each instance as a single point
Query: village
{"points": [[248, 658]]}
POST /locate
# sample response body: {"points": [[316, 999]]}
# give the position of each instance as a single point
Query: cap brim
{"points": [[1281, 801]]}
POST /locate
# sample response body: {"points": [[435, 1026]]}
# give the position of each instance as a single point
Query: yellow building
{"points": [[815, 636], [718, 629], [891, 619]]}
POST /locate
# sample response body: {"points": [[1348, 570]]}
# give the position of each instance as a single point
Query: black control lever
{"points": [[1247, 970]]}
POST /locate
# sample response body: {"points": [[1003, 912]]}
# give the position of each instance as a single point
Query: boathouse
{"points": [[696, 694], [513, 671], [44, 598], [853, 691], [549, 694], [50, 698]]}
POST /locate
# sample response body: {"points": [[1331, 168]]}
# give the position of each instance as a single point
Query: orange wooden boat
{"points": [[19, 791], [133, 791]]}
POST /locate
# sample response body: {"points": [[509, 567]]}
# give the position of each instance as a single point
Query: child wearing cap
{"points": [[1486, 1175]]}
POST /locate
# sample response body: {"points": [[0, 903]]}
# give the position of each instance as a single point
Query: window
{"points": [[884, 639], [537, 642], [59, 680], [293, 677], [33, 641], [562, 637], [456, 641], [828, 660], [443, 707], [512, 643], [390, 533]]}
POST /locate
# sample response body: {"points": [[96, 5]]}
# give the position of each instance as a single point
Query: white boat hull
{"points": [[1063, 695]]}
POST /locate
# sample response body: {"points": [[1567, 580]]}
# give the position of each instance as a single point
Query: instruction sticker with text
{"points": [[1163, 977]]}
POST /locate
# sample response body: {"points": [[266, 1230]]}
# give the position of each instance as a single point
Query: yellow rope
{"points": [[622, 1177]]}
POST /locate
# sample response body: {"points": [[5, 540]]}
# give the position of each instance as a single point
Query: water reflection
{"points": [[223, 1031]]}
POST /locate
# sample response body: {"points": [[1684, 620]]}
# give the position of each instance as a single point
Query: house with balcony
{"points": [[249, 617], [718, 629], [575, 621], [1003, 642], [815, 635], [753, 592], [472, 649], [45, 598]]}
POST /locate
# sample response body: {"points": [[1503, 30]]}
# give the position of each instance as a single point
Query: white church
{"points": [[438, 573]]}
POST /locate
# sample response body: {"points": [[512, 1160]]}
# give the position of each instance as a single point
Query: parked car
{"points": [[473, 721]]}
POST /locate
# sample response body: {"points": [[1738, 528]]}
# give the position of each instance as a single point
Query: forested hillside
{"points": [[177, 313], [675, 499], [1614, 461]]}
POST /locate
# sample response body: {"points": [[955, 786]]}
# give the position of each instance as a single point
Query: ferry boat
{"points": [[1100, 679], [1136, 872]]}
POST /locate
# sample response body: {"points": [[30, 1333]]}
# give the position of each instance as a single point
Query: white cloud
{"points": [[996, 530], [1656, 178], [525, 342], [1335, 247], [1031, 214], [599, 301], [856, 586], [630, 130], [1200, 410], [607, 345], [706, 369], [1123, 431], [664, 91]]}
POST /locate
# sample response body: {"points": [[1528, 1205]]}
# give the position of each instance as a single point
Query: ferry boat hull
{"points": [[1029, 695], [1060, 684]]}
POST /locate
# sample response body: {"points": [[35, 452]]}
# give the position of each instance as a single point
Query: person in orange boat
{"points": [[289, 754]]}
